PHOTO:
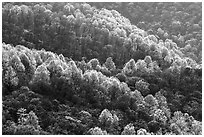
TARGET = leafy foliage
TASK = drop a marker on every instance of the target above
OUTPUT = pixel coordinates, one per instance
(70, 68)
(128, 130)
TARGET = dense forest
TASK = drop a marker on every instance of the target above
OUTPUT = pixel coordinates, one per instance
(118, 68)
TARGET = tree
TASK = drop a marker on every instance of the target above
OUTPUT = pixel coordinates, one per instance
(17, 64)
(128, 130)
(41, 80)
(143, 87)
(182, 124)
(148, 59)
(130, 67)
(142, 131)
(93, 63)
(151, 103)
(106, 118)
(109, 64)
(97, 131)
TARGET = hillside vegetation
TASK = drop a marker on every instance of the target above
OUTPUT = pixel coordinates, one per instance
(94, 68)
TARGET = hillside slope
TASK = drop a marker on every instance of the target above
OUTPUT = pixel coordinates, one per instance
(69, 68)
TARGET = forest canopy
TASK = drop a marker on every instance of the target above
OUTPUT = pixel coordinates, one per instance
(102, 68)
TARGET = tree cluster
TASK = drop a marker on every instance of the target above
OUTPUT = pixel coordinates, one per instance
(70, 68)
(179, 21)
